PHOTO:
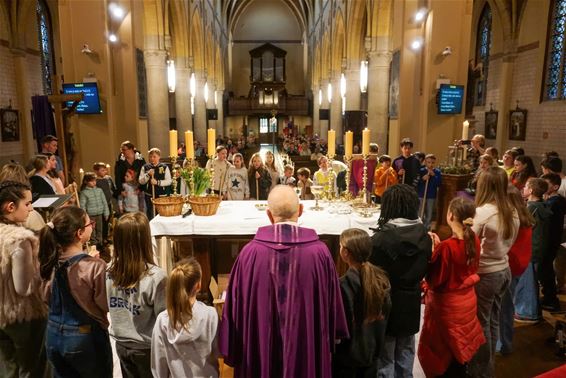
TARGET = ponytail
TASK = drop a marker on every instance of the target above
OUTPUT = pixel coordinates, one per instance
(57, 234)
(464, 211)
(181, 286)
(375, 287)
(469, 241)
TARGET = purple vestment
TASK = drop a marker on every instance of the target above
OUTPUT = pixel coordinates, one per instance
(283, 309)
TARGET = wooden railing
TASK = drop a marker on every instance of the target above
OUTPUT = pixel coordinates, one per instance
(291, 105)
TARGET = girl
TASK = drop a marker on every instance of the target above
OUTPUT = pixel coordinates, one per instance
(365, 294)
(22, 312)
(41, 184)
(524, 170)
(184, 338)
(131, 198)
(94, 202)
(136, 294)
(272, 168)
(77, 337)
(496, 223)
(402, 247)
(52, 173)
(259, 179)
(238, 184)
(451, 332)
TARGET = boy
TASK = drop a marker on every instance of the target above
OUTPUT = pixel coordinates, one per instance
(158, 178)
(305, 183)
(406, 165)
(288, 178)
(554, 165)
(526, 292)
(384, 177)
(324, 177)
(429, 182)
(105, 182)
(557, 204)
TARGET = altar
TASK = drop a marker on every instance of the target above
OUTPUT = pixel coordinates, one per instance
(216, 240)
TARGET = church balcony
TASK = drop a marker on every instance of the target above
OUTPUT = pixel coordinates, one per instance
(290, 105)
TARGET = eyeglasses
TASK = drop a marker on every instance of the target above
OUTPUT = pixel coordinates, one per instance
(91, 223)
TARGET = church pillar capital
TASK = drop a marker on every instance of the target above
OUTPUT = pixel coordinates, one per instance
(155, 58)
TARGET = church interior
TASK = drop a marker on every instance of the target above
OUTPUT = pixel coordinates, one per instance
(263, 74)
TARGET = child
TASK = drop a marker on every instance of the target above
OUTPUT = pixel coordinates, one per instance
(23, 315)
(238, 184)
(553, 164)
(271, 167)
(401, 247)
(305, 183)
(407, 165)
(220, 166)
(131, 199)
(547, 275)
(158, 179)
(451, 332)
(429, 182)
(135, 287)
(94, 203)
(365, 294)
(77, 332)
(288, 178)
(259, 179)
(384, 177)
(184, 340)
(324, 177)
(104, 182)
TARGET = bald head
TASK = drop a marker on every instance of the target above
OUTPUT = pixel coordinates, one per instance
(283, 204)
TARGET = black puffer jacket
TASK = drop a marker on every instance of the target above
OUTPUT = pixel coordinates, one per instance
(403, 249)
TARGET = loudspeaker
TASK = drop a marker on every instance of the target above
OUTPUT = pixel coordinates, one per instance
(212, 114)
(323, 114)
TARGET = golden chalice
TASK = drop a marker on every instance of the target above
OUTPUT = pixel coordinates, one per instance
(317, 190)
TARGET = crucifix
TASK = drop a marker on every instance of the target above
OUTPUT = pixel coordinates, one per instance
(56, 100)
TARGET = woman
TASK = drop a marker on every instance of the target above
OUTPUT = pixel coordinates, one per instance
(52, 173)
(524, 170)
(496, 224)
(129, 159)
(41, 183)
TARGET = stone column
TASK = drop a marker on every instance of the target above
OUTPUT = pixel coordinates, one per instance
(213, 124)
(24, 102)
(505, 83)
(336, 109)
(157, 98)
(200, 109)
(378, 96)
(353, 93)
(315, 111)
(183, 97)
(324, 125)
(220, 126)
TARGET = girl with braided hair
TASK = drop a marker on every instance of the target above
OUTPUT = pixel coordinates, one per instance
(401, 247)
(23, 315)
(184, 342)
(77, 331)
(452, 333)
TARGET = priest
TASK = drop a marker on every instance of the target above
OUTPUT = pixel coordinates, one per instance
(283, 311)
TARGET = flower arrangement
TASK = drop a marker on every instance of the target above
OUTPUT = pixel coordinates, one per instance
(197, 180)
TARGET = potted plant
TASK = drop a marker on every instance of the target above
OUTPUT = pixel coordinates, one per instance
(198, 181)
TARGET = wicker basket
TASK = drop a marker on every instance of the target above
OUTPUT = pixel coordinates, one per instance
(169, 206)
(205, 206)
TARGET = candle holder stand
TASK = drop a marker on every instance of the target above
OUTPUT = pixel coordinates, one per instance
(330, 192)
(347, 195)
(365, 194)
(211, 170)
(174, 173)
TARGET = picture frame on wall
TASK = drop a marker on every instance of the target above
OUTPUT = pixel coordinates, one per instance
(9, 125)
(491, 118)
(518, 124)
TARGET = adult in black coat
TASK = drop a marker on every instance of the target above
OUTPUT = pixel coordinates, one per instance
(129, 158)
(403, 248)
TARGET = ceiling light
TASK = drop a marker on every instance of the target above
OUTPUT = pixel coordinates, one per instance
(171, 77)
(113, 38)
(116, 11)
(420, 15)
(417, 44)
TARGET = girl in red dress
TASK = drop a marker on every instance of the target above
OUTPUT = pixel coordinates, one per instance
(451, 332)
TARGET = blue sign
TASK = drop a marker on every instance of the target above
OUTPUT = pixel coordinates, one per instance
(90, 103)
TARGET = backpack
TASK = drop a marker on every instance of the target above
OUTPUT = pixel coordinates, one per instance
(521, 251)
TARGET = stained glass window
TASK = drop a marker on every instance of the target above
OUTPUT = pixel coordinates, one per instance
(483, 47)
(555, 75)
(45, 45)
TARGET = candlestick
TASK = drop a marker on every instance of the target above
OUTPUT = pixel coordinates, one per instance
(173, 143)
(174, 170)
(465, 130)
(189, 145)
(211, 142)
(347, 194)
(331, 143)
(348, 144)
(366, 135)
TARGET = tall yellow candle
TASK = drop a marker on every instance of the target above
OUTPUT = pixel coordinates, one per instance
(348, 144)
(366, 134)
(211, 142)
(331, 143)
(465, 130)
(189, 145)
(172, 142)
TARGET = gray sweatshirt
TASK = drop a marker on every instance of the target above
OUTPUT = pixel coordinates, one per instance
(133, 311)
(192, 353)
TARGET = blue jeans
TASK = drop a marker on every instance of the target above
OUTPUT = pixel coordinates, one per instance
(526, 295)
(506, 317)
(397, 357)
(490, 291)
(428, 210)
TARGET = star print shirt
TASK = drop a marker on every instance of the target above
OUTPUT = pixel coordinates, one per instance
(238, 187)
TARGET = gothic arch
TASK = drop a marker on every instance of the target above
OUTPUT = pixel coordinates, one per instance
(339, 43)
